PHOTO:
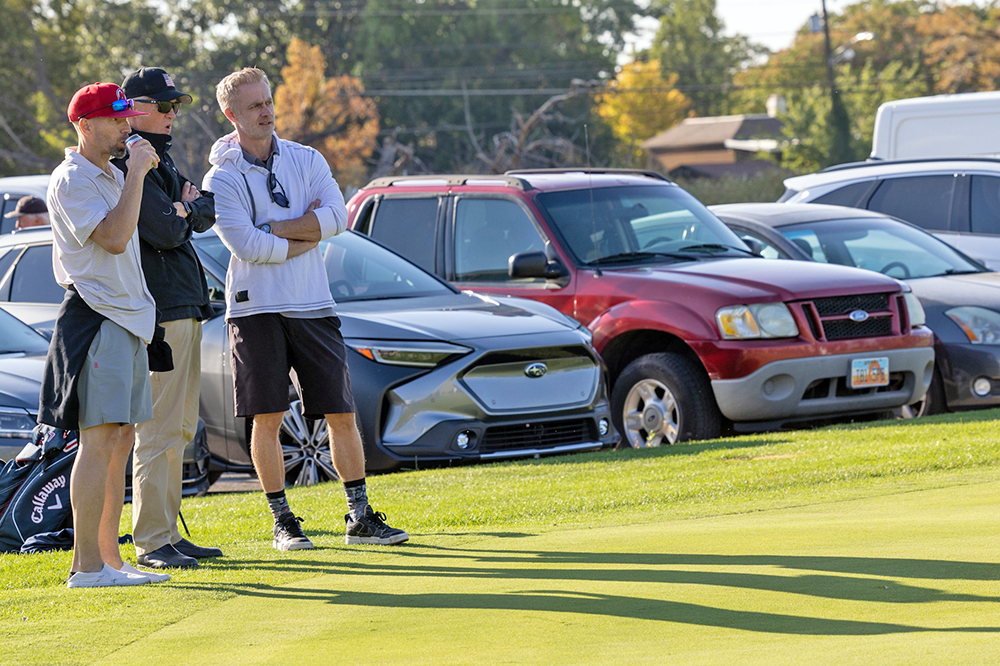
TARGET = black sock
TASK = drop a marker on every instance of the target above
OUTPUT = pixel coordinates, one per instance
(357, 497)
(278, 503)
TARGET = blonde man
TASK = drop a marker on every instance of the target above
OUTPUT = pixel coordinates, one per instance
(274, 201)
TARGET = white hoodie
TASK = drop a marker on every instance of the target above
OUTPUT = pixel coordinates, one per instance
(258, 270)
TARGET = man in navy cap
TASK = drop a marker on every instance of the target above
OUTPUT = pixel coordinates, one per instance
(172, 209)
(30, 212)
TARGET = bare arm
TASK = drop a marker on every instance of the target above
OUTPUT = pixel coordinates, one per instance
(304, 228)
(116, 229)
(297, 247)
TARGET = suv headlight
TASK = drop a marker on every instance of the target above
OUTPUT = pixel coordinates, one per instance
(980, 325)
(916, 310)
(412, 354)
(15, 423)
(763, 320)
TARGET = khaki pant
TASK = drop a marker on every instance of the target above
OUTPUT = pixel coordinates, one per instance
(158, 458)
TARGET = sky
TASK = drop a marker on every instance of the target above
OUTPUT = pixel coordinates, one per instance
(772, 23)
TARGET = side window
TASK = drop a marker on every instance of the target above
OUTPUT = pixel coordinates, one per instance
(407, 226)
(849, 195)
(767, 250)
(809, 243)
(985, 206)
(5, 262)
(33, 281)
(487, 233)
(922, 200)
(7, 205)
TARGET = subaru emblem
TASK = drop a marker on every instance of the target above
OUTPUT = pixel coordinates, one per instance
(858, 316)
(536, 370)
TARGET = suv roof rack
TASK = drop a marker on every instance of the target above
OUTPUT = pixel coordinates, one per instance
(911, 160)
(452, 179)
(593, 170)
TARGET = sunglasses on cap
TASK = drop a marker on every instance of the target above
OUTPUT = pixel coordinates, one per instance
(117, 105)
(162, 107)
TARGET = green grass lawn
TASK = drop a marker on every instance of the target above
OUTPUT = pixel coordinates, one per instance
(851, 545)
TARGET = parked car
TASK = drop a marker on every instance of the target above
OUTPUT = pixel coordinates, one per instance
(22, 361)
(695, 329)
(960, 297)
(957, 199)
(13, 188)
(439, 376)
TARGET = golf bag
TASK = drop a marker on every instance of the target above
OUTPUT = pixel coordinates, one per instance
(34, 487)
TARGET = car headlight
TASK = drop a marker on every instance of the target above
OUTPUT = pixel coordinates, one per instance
(412, 354)
(15, 423)
(916, 310)
(980, 325)
(763, 320)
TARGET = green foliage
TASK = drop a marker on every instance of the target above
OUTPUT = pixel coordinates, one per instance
(766, 186)
(690, 42)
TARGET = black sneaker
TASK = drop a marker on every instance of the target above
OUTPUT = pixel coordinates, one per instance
(288, 535)
(371, 528)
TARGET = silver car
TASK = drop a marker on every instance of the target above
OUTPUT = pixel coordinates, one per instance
(439, 376)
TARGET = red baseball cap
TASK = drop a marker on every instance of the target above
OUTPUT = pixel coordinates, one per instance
(101, 100)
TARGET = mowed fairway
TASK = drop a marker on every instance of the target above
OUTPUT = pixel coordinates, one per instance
(859, 545)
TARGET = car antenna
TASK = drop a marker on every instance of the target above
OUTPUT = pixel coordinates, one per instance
(593, 218)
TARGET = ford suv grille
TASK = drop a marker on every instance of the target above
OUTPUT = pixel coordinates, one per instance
(830, 318)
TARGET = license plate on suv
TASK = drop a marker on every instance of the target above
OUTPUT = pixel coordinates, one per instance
(869, 372)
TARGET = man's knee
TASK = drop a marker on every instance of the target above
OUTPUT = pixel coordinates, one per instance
(267, 424)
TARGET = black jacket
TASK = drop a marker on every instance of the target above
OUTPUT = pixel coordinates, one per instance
(173, 273)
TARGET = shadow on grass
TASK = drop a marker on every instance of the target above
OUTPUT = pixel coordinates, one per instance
(843, 578)
(563, 601)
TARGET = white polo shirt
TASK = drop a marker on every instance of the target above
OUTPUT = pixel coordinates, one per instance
(80, 196)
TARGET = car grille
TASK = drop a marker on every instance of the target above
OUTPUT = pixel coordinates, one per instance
(538, 435)
(829, 318)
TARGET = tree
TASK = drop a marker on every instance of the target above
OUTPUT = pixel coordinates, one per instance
(331, 115)
(639, 103)
(690, 42)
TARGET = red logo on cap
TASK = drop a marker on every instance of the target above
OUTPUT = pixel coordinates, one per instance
(169, 81)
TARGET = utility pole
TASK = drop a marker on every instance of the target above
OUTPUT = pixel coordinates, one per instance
(840, 123)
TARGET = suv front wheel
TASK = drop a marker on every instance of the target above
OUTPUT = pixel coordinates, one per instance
(664, 398)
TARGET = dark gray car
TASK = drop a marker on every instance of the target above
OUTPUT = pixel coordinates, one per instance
(439, 376)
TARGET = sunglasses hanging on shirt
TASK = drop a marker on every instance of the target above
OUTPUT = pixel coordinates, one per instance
(279, 198)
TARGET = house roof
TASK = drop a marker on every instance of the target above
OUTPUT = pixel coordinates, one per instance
(713, 132)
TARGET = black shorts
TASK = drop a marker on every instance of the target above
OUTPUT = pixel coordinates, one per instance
(268, 348)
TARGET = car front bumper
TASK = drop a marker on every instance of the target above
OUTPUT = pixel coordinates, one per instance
(960, 365)
(818, 386)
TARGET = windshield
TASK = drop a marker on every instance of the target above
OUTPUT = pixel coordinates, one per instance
(16, 336)
(882, 245)
(357, 268)
(649, 222)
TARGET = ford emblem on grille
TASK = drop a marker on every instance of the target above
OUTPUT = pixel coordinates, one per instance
(536, 370)
(858, 316)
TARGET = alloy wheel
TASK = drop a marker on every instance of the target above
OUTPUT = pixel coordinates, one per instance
(305, 447)
(650, 415)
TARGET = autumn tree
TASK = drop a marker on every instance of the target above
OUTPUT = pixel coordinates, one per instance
(639, 103)
(329, 114)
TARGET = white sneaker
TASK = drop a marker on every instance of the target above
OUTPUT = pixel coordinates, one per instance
(153, 577)
(106, 577)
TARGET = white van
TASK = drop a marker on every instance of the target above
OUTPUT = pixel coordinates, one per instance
(963, 125)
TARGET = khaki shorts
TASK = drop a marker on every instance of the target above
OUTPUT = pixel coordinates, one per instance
(114, 382)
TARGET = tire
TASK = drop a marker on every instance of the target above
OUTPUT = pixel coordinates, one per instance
(932, 403)
(664, 398)
(305, 448)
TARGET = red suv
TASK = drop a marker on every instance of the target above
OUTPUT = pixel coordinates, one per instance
(697, 331)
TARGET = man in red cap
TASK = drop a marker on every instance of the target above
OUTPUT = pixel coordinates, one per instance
(97, 373)
(30, 212)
